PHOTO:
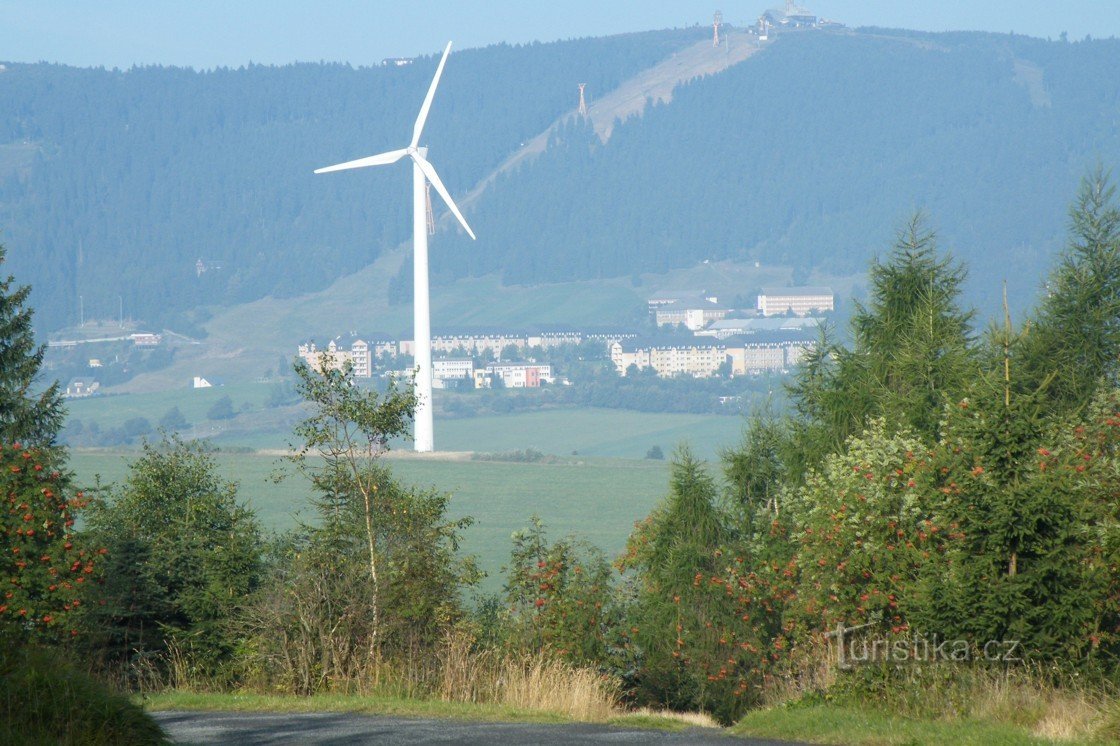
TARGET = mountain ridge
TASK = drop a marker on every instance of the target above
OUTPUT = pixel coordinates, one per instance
(113, 184)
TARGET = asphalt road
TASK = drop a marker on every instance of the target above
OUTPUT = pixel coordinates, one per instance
(337, 729)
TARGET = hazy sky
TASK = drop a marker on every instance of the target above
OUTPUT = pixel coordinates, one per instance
(210, 33)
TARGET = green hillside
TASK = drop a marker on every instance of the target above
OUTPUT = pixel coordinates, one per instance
(114, 183)
(811, 153)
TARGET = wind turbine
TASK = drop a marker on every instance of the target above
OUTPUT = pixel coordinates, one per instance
(422, 172)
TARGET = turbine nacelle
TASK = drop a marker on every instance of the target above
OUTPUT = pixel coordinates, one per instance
(413, 151)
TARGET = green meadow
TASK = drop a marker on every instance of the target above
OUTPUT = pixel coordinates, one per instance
(597, 486)
(598, 499)
(607, 433)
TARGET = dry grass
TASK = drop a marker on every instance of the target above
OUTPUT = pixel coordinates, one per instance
(1069, 713)
(1035, 701)
(531, 682)
(692, 719)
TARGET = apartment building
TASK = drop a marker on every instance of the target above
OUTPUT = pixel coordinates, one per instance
(801, 301)
(341, 350)
(698, 359)
(445, 370)
(517, 375)
(693, 313)
(757, 353)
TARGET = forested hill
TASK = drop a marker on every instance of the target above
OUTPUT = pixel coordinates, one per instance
(813, 152)
(114, 183)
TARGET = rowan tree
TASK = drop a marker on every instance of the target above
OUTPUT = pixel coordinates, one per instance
(45, 567)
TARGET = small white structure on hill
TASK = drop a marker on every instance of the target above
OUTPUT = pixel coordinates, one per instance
(81, 387)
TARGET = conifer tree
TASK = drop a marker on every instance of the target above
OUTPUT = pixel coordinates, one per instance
(1074, 341)
(184, 554)
(756, 470)
(26, 416)
(911, 347)
(1021, 486)
(675, 625)
(913, 335)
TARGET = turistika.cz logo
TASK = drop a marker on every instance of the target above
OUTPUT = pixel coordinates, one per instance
(853, 649)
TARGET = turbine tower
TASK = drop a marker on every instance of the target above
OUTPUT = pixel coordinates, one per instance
(422, 174)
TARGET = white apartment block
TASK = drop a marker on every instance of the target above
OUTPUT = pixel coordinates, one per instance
(748, 355)
(698, 359)
(452, 369)
(801, 301)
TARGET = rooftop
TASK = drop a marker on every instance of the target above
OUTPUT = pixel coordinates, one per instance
(766, 324)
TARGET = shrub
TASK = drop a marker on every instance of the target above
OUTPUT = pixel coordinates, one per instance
(183, 556)
(559, 597)
(45, 700)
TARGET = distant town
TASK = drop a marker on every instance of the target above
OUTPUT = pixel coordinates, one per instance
(696, 337)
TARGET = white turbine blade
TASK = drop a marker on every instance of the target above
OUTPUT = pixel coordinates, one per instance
(423, 117)
(433, 177)
(374, 160)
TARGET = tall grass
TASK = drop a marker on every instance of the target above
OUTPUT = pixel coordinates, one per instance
(1050, 704)
(455, 671)
(45, 700)
(525, 681)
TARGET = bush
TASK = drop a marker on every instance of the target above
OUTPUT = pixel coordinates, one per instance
(560, 598)
(221, 409)
(183, 555)
(44, 700)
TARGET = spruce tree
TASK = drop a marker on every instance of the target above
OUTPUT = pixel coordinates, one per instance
(675, 624)
(911, 348)
(1073, 343)
(1023, 489)
(756, 470)
(26, 416)
(913, 336)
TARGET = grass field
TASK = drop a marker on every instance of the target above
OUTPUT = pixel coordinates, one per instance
(597, 499)
(597, 488)
(609, 433)
(112, 411)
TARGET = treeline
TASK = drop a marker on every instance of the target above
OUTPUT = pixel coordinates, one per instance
(113, 183)
(604, 388)
(933, 483)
